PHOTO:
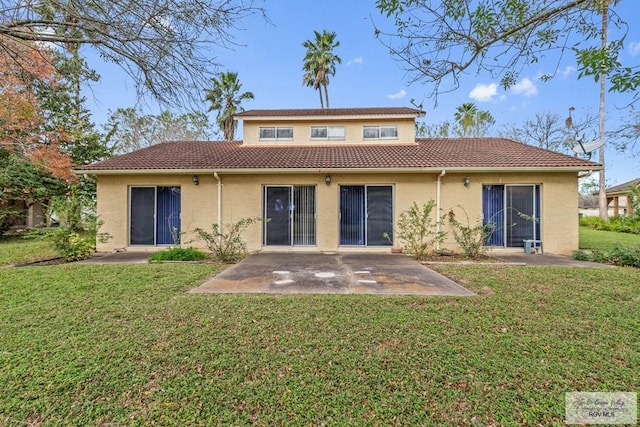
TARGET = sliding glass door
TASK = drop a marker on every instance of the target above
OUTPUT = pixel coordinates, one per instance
(366, 215)
(512, 213)
(154, 216)
(289, 215)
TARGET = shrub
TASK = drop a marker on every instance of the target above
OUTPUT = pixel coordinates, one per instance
(625, 256)
(178, 254)
(620, 224)
(418, 231)
(581, 255)
(469, 237)
(619, 255)
(70, 245)
(9, 215)
(226, 244)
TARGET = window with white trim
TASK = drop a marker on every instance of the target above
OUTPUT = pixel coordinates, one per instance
(276, 133)
(380, 132)
(334, 133)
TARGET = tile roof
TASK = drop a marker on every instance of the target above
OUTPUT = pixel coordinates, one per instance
(433, 153)
(333, 112)
(623, 188)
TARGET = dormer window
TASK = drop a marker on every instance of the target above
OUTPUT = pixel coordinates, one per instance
(380, 132)
(276, 133)
(333, 133)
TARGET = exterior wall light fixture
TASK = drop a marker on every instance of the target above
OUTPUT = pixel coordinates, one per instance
(467, 181)
(195, 180)
(327, 179)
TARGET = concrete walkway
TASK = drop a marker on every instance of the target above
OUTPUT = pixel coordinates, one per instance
(295, 273)
(355, 273)
(540, 260)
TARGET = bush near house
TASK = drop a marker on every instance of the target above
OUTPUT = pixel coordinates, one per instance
(619, 255)
(226, 243)
(608, 247)
(469, 236)
(418, 231)
(178, 254)
(619, 224)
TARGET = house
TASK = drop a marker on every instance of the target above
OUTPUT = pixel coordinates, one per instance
(335, 180)
(614, 194)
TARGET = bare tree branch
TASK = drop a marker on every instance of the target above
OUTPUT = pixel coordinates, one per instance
(437, 41)
(167, 46)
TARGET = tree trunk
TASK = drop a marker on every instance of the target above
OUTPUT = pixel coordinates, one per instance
(326, 93)
(602, 194)
(320, 93)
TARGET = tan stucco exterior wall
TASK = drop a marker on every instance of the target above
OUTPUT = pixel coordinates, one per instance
(353, 131)
(198, 205)
(559, 203)
(242, 198)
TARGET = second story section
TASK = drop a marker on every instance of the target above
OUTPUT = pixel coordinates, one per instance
(329, 126)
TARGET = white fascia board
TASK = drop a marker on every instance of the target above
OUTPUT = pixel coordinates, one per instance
(248, 171)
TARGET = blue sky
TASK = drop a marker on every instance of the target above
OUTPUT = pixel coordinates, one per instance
(268, 59)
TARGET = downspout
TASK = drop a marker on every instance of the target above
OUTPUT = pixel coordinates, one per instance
(438, 197)
(219, 204)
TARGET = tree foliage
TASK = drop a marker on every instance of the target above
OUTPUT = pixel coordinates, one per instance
(626, 137)
(440, 40)
(131, 129)
(225, 98)
(23, 183)
(166, 46)
(26, 85)
(320, 63)
(467, 122)
(471, 121)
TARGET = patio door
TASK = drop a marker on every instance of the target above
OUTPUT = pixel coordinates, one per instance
(512, 212)
(366, 214)
(289, 215)
(154, 215)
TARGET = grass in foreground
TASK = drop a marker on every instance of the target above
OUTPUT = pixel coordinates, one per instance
(97, 345)
(16, 250)
(606, 240)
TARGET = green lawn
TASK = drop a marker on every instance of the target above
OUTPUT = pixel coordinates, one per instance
(114, 345)
(15, 250)
(606, 240)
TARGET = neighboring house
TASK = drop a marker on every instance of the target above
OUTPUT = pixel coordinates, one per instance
(622, 191)
(336, 180)
(32, 216)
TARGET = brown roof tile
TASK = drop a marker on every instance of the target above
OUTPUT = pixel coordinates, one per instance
(436, 153)
(332, 112)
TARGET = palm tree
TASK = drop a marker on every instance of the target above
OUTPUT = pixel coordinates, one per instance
(320, 63)
(471, 121)
(225, 97)
(466, 116)
(602, 192)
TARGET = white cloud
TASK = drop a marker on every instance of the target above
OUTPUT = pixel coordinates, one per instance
(525, 87)
(634, 48)
(358, 60)
(484, 93)
(397, 95)
(568, 70)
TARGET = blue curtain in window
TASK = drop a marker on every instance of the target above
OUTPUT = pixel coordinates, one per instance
(168, 224)
(493, 213)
